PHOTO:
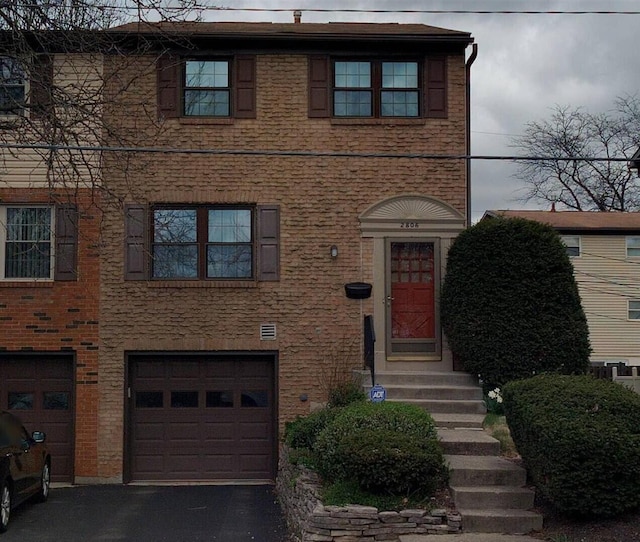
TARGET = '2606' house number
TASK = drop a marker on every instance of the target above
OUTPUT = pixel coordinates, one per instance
(409, 225)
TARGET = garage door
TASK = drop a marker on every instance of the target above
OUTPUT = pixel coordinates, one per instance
(39, 390)
(204, 418)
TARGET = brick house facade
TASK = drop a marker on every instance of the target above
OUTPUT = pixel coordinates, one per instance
(294, 171)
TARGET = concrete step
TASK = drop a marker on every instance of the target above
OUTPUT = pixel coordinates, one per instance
(470, 470)
(458, 421)
(467, 537)
(468, 442)
(421, 378)
(497, 520)
(450, 393)
(448, 407)
(492, 497)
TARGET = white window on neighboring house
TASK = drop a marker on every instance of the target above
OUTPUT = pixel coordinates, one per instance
(26, 250)
(572, 242)
(634, 309)
(633, 246)
(13, 86)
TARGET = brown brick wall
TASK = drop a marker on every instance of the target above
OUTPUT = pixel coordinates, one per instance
(320, 199)
(48, 316)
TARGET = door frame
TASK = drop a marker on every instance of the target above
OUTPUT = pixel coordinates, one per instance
(415, 355)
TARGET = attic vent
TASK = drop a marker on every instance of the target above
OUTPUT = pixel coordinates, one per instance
(267, 332)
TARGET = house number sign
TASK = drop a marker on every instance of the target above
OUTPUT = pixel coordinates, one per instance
(409, 225)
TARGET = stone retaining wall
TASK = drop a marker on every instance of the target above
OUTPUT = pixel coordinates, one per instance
(310, 521)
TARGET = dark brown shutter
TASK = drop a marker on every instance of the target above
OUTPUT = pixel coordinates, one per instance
(436, 87)
(169, 72)
(245, 87)
(136, 250)
(319, 86)
(41, 86)
(268, 242)
(66, 238)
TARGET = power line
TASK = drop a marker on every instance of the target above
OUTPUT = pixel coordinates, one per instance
(203, 7)
(311, 154)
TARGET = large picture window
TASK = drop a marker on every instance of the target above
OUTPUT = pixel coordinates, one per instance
(26, 242)
(203, 242)
(376, 89)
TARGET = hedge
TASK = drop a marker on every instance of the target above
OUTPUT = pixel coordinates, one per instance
(580, 440)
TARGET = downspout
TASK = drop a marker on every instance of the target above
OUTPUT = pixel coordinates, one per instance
(470, 61)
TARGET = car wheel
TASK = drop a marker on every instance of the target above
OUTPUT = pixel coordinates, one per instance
(45, 484)
(5, 506)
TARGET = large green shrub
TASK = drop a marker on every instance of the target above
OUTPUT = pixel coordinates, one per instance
(580, 440)
(510, 305)
(390, 461)
(303, 431)
(352, 422)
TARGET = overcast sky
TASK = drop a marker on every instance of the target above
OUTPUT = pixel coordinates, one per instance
(526, 65)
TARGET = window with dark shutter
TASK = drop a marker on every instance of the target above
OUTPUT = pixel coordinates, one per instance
(136, 251)
(66, 235)
(269, 242)
(436, 87)
(245, 83)
(41, 86)
(168, 86)
(319, 86)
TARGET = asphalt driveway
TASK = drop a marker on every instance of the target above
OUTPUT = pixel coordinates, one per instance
(151, 514)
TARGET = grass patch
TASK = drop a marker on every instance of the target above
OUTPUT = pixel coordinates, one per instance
(497, 427)
(343, 493)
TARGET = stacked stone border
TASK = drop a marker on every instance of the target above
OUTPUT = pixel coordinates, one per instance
(309, 520)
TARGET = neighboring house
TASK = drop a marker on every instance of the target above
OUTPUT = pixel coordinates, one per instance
(49, 269)
(222, 305)
(604, 248)
(634, 163)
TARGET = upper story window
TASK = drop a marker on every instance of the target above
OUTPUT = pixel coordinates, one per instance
(207, 90)
(376, 89)
(209, 87)
(633, 312)
(372, 88)
(13, 86)
(26, 242)
(633, 246)
(212, 243)
(572, 242)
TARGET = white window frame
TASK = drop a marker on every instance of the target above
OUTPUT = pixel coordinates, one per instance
(26, 84)
(3, 242)
(633, 309)
(636, 248)
(565, 238)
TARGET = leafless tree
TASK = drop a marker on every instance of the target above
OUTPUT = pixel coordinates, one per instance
(584, 185)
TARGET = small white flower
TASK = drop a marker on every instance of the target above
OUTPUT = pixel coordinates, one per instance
(499, 399)
(492, 394)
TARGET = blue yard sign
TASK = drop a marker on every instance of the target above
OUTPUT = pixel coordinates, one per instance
(377, 394)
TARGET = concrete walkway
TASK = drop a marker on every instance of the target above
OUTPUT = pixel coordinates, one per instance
(466, 537)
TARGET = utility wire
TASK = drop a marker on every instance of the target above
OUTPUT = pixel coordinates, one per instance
(312, 154)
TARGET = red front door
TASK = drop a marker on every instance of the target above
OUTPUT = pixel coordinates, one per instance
(412, 296)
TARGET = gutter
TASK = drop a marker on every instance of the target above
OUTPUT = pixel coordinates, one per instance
(470, 61)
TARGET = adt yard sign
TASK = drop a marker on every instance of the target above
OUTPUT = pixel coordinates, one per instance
(377, 394)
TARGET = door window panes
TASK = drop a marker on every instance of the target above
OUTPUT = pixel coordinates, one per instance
(184, 399)
(219, 399)
(259, 398)
(55, 400)
(149, 399)
(20, 400)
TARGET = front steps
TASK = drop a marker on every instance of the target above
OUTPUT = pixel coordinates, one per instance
(488, 491)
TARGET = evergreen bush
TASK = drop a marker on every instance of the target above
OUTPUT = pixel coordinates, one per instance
(580, 440)
(510, 305)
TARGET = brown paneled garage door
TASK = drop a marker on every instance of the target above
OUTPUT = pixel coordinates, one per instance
(202, 418)
(39, 390)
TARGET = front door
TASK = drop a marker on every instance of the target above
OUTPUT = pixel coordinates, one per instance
(411, 312)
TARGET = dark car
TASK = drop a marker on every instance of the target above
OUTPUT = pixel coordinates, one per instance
(25, 466)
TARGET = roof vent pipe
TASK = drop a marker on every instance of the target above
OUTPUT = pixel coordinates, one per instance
(297, 16)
